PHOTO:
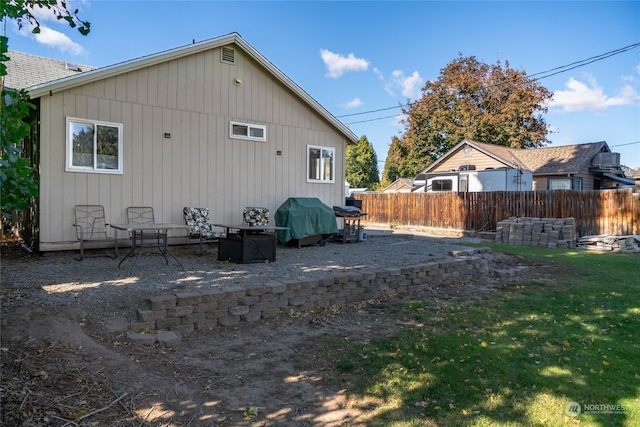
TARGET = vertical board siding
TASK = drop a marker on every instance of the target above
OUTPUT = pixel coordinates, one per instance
(193, 99)
(611, 212)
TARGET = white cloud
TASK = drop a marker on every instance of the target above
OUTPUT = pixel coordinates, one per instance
(588, 95)
(337, 64)
(56, 39)
(356, 102)
(48, 36)
(409, 85)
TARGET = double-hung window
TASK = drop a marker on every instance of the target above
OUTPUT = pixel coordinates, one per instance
(94, 146)
(321, 164)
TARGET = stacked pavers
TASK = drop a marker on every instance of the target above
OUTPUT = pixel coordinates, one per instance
(184, 313)
(546, 232)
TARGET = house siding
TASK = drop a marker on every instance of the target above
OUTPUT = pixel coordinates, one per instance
(541, 182)
(194, 99)
(480, 160)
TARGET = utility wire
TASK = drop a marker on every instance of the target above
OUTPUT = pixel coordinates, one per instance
(553, 71)
(628, 143)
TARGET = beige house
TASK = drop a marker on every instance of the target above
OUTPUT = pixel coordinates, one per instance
(400, 185)
(589, 166)
(212, 124)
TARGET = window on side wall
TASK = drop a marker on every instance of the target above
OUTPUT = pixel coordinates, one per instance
(565, 184)
(93, 146)
(320, 164)
(249, 131)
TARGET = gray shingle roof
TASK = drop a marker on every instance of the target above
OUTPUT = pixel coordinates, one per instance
(25, 70)
(548, 160)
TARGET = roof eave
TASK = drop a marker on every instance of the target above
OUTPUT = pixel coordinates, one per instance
(150, 60)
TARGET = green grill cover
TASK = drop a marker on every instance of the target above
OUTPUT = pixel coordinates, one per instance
(305, 216)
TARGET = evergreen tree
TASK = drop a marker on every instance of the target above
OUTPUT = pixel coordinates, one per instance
(362, 165)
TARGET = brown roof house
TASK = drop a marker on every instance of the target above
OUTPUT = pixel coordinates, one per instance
(590, 166)
(211, 124)
(400, 185)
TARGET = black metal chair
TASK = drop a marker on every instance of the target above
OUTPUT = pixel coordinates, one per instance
(144, 215)
(91, 227)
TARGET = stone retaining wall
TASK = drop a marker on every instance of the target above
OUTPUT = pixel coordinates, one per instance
(546, 232)
(187, 312)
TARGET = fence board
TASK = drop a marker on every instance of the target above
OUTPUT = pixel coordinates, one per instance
(612, 212)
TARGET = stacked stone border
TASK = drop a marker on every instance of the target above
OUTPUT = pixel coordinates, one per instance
(545, 232)
(181, 314)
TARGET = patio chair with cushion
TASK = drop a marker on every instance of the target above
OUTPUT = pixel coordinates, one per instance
(91, 227)
(200, 227)
(255, 216)
(144, 215)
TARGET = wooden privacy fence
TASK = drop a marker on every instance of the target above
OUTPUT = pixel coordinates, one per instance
(611, 212)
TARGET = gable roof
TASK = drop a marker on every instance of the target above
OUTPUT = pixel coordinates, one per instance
(563, 159)
(43, 88)
(399, 183)
(566, 159)
(25, 70)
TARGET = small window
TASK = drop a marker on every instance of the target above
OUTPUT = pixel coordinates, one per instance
(565, 184)
(576, 184)
(560, 184)
(94, 146)
(320, 164)
(247, 131)
(442, 185)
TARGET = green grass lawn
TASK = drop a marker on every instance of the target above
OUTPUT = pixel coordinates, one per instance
(518, 358)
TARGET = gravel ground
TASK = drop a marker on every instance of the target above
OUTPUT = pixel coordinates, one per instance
(58, 279)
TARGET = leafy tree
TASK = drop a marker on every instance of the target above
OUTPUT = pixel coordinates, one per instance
(402, 161)
(472, 100)
(17, 181)
(362, 164)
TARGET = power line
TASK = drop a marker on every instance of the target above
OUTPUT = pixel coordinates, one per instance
(553, 71)
(584, 62)
(372, 120)
(628, 143)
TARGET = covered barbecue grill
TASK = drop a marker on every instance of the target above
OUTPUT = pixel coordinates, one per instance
(309, 221)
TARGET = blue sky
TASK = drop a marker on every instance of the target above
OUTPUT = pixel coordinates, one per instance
(361, 59)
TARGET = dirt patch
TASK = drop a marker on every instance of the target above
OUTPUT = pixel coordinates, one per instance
(63, 367)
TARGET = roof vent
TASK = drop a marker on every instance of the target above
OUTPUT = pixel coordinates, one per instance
(72, 67)
(228, 55)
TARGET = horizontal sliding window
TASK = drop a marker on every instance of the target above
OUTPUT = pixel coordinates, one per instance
(94, 146)
(239, 130)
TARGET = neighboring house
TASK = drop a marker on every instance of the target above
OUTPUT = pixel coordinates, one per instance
(212, 124)
(636, 177)
(400, 185)
(589, 166)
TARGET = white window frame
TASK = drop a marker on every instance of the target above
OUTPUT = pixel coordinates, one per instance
(250, 129)
(571, 183)
(321, 165)
(74, 123)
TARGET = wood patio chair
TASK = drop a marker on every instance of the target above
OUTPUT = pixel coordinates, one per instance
(91, 227)
(200, 226)
(145, 215)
